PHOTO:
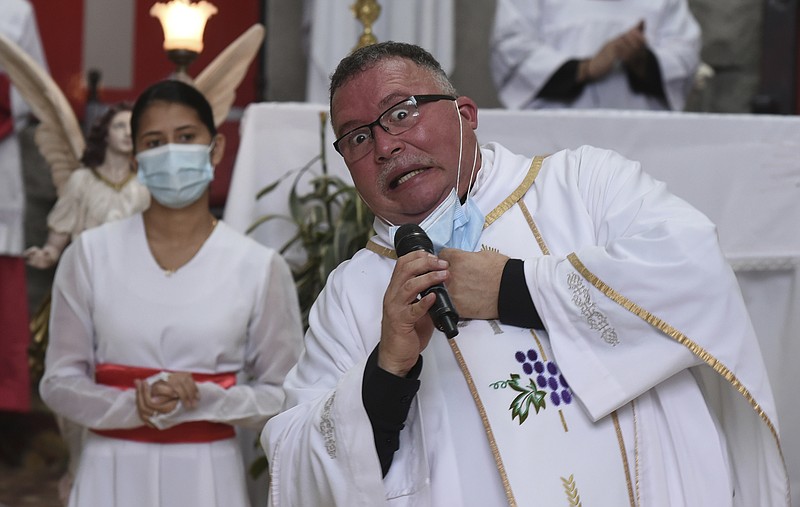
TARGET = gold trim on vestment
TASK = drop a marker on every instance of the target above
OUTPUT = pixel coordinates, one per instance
(539, 344)
(681, 338)
(485, 420)
(534, 228)
(516, 195)
(624, 453)
(381, 250)
(636, 451)
(563, 420)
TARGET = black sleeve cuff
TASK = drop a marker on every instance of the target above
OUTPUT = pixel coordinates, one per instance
(514, 303)
(387, 399)
(651, 84)
(563, 85)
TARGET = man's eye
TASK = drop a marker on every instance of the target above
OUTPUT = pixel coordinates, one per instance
(399, 115)
(358, 138)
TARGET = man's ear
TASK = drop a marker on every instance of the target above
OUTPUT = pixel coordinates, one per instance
(468, 110)
(219, 149)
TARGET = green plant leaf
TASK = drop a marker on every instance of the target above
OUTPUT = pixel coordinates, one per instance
(269, 188)
(258, 466)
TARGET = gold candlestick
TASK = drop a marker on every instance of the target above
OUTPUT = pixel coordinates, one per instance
(366, 11)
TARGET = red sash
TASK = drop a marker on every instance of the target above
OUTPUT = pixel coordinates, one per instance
(122, 377)
(6, 117)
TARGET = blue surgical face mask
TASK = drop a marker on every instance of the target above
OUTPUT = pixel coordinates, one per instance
(454, 225)
(176, 174)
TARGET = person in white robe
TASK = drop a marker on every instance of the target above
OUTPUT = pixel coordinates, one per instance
(168, 328)
(587, 54)
(18, 24)
(604, 354)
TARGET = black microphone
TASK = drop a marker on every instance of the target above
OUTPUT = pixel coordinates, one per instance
(411, 237)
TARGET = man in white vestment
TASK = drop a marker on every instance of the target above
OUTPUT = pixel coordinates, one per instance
(603, 355)
(587, 54)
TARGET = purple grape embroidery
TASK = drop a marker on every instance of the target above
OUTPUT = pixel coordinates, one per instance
(544, 381)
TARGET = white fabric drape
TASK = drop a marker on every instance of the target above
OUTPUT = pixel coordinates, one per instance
(333, 32)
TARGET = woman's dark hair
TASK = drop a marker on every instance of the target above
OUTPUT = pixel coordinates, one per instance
(175, 92)
(97, 140)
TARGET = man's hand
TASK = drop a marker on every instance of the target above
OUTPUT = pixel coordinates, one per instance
(474, 281)
(406, 327)
(630, 49)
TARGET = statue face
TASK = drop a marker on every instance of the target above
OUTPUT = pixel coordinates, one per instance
(119, 133)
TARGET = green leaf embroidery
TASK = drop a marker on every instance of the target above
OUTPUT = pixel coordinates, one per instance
(529, 395)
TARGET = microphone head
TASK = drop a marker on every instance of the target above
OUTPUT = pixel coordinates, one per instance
(411, 237)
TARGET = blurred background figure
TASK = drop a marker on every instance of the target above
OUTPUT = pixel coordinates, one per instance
(588, 54)
(18, 23)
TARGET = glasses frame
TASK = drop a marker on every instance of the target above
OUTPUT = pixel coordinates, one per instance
(417, 100)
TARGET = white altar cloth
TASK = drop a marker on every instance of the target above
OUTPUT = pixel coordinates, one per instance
(742, 171)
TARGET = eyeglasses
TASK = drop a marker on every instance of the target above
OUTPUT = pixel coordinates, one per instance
(356, 143)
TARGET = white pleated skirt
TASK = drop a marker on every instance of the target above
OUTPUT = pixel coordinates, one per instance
(123, 473)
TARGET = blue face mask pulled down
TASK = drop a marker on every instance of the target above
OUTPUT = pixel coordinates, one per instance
(452, 225)
(176, 174)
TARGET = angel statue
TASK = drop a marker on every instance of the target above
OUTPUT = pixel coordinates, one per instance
(99, 189)
(93, 176)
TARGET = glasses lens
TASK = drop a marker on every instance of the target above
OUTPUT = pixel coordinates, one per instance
(395, 120)
(357, 143)
(401, 117)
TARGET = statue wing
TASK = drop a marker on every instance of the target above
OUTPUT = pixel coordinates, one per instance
(58, 135)
(218, 81)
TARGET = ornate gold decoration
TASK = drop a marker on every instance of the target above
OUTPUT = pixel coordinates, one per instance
(571, 490)
(367, 12)
(705, 356)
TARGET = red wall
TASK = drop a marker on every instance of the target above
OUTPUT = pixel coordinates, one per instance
(61, 29)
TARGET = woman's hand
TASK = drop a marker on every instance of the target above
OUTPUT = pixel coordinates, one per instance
(162, 397)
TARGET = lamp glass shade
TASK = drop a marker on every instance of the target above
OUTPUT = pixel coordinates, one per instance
(183, 23)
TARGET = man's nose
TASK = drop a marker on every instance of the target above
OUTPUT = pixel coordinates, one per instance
(386, 144)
